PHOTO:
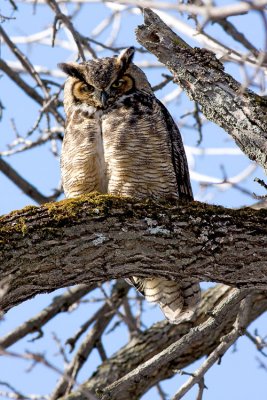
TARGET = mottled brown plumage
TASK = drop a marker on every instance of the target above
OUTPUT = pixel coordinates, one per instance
(120, 139)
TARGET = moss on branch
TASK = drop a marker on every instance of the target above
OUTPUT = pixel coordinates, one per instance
(97, 237)
(69, 212)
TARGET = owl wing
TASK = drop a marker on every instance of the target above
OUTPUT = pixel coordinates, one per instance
(177, 152)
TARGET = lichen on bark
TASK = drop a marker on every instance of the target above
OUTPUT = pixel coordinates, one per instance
(95, 238)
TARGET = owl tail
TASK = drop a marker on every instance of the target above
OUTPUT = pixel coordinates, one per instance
(177, 300)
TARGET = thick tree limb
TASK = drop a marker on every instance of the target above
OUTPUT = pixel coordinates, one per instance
(226, 342)
(96, 238)
(151, 342)
(242, 113)
(125, 386)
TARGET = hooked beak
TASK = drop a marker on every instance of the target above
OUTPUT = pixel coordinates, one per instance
(104, 98)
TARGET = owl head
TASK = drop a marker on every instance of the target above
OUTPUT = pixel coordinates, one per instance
(100, 83)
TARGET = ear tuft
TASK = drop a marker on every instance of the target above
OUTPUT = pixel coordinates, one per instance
(70, 69)
(125, 57)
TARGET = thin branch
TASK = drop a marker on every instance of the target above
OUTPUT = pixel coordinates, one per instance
(24, 61)
(162, 394)
(258, 341)
(60, 347)
(13, 4)
(79, 40)
(29, 90)
(208, 11)
(26, 144)
(130, 380)
(23, 184)
(261, 182)
(168, 78)
(59, 304)
(261, 364)
(65, 384)
(15, 393)
(99, 346)
(130, 319)
(38, 358)
(73, 340)
(216, 355)
(231, 30)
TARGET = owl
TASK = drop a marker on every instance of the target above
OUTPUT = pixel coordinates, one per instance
(120, 139)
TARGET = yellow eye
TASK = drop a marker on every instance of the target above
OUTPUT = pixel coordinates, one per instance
(84, 88)
(118, 84)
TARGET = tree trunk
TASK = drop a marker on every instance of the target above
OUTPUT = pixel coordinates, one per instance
(223, 100)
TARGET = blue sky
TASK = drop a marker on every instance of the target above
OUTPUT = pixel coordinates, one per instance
(239, 375)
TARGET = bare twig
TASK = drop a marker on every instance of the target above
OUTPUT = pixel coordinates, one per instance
(208, 11)
(24, 61)
(162, 394)
(168, 78)
(79, 40)
(38, 358)
(29, 90)
(16, 394)
(59, 304)
(23, 184)
(22, 144)
(65, 384)
(130, 318)
(264, 185)
(259, 342)
(231, 30)
(99, 346)
(72, 341)
(262, 365)
(61, 349)
(174, 350)
(215, 356)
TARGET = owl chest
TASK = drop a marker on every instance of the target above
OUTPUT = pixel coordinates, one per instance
(121, 151)
(83, 166)
(136, 154)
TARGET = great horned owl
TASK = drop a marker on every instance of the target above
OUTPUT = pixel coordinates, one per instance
(120, 139)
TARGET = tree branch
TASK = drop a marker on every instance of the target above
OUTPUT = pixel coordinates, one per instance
(120, 388)
(226, 342)
(239, 112)
(106, 314)
(14, 76)
(23, 184)
(95, 238)
(59, 304)
(147, 344)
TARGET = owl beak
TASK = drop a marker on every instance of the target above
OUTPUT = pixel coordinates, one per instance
(104, 98)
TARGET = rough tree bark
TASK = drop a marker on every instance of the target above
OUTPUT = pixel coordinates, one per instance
(223, 100)
(98, 238)
(151, 342)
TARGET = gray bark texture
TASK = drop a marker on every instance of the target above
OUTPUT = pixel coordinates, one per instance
(96, 238)
(160, 336)
(223, 100)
